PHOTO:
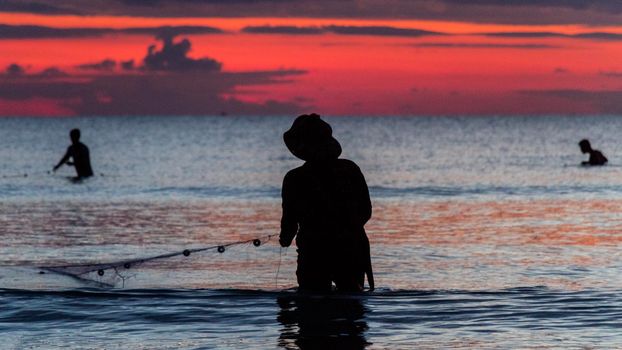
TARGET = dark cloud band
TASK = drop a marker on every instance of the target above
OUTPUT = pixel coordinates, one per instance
(343, 30)
(602, 12)
(41, 32)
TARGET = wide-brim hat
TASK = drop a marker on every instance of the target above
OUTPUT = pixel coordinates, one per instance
(310, 138)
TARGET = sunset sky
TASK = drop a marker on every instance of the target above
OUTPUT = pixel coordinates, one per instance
(346, 57)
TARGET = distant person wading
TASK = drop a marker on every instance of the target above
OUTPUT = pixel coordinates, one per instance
(325, 205)
(79, 154)
(596, 157)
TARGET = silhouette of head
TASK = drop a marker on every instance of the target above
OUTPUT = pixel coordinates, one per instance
(585, 146)
(75, 135)
(311, 139)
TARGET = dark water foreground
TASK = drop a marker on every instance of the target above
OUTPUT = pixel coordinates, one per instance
(236, 319)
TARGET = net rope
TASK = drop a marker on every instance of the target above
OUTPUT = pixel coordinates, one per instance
(111, 274)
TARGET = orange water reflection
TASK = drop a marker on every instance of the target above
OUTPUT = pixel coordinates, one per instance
(565, 243)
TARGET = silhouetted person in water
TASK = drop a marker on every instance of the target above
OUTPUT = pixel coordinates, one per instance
(79, 154)
(596, 157)
(325, 205)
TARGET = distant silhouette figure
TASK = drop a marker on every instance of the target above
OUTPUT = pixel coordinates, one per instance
(325, 205)
(79, 154)
(596, 157)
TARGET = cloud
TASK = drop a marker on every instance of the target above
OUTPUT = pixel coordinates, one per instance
(171, 31)
(343, 30)
(600, 35)
(597, 101)
(36, 32)
(105, 65)
(592, 35)
(127, 65)
(42, 32)
(484, 46)
(610, 74)
(53, 72)
(283, 30)
(379, 30)
(525, 34)
(35, 7)
(14, 69)
(203, 2)
(176, 93)
(167, 83)
(174, 57)
(611, 5)
(141, 2)
(589, 12)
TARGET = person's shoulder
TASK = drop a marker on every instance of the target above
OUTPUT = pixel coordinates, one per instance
(294, 173)
(347, 163)
(80, 147)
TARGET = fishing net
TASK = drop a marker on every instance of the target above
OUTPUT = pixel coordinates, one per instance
(253, 264)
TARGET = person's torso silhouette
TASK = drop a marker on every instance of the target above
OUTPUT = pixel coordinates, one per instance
(597, 158)
(79, 154)
(81, 159)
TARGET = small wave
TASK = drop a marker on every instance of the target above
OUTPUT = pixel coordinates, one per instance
(505, 318)
(540, 291)
(216, 192)
(458, 191)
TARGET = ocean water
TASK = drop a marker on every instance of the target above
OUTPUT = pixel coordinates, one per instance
(486, 233)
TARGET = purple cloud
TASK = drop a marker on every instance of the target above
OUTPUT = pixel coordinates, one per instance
(601, 12)
(343, 30)
(35, 7)
(611, 74)
(591, 35)
(53, 72)
(105, 65)
(14, 69)
(167, 83)
(484, 46)
(42, 32)
(599, 101)
(290, 30)
(174, 57)
(127, 65)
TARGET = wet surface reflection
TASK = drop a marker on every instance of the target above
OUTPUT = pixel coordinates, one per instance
(322, 322)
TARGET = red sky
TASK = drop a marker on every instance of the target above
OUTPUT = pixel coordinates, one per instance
(344, 66)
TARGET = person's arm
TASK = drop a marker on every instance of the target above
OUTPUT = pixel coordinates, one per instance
(370, 276)
(64, 159)
(364, 201)
(289, 221)
(364, 214)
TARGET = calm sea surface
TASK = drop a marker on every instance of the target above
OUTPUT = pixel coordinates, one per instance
(486, 233)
